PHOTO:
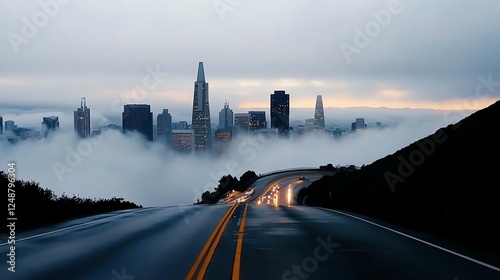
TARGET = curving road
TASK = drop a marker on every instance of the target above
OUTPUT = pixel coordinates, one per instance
(264, 236)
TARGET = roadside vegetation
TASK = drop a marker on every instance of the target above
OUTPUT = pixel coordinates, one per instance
(36, 206)
(226, 185)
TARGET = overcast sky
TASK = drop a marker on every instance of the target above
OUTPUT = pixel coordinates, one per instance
(396, 54)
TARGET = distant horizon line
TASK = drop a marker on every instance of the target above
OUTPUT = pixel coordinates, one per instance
(380, 107)
(266, 108)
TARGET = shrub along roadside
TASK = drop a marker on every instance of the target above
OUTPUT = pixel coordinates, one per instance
(35, 206)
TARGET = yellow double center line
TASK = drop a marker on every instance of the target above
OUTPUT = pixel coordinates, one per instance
(239, 243)
(208, 250)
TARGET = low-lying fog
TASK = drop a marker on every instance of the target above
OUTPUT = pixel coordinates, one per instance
(114, 164)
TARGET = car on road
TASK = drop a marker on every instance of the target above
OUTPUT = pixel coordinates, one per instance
(302, 178)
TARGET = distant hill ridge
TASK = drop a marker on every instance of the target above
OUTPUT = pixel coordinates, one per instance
(446, 184)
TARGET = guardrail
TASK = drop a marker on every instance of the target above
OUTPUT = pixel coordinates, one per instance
(287, 170)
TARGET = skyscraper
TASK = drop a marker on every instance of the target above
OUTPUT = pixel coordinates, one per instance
(82, 119)
(222, 139)
(257, 120)
(183, 140)
(225, 117)
(180, 125)
(49, 124)
(201, 113)
(224, 133)
(309, 125)
(280, 112)
(301, 129)
(9, 125)
(359, 124)
(242, 121)
(164, 127)
(337, 133)
(138, 117)
(1, 125)
(319, 114)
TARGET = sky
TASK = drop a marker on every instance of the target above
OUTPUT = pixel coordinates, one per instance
(393, 54)
(415, 65)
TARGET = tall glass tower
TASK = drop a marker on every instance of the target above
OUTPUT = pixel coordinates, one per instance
(226, 117)
(280, 112)
(138, 117)
(82, 119)
(201, 113)
(49, 124)
(319, 114)
(164, 127)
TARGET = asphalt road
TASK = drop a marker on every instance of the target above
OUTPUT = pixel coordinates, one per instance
(245, 240)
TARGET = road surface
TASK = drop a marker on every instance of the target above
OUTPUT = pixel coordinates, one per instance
(263, 236)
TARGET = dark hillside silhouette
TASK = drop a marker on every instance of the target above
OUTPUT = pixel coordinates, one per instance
(35, 206)
(446, 184)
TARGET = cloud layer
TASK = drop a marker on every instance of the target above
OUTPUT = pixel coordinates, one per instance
(114, 164)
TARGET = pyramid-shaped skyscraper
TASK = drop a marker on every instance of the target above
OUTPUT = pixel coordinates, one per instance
(201, 113)
(319, 114)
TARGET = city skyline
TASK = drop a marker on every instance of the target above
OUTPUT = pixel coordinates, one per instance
(256, 119)
(341, 116)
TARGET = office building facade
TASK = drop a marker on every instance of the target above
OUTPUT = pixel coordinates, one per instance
(226, 117)
(223, 139)
(81, 119)
(359, 124)
(9, 125)
(280, 112)
(138, 117)
(242, 122)
(164, 127)
(49, 124)
(183, 141)
(257, 120)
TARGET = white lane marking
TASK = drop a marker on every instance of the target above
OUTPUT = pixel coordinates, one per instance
(75, 226)
(420, 240)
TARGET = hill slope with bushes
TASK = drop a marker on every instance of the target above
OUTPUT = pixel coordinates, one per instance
(446, 184)
(35, 206)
